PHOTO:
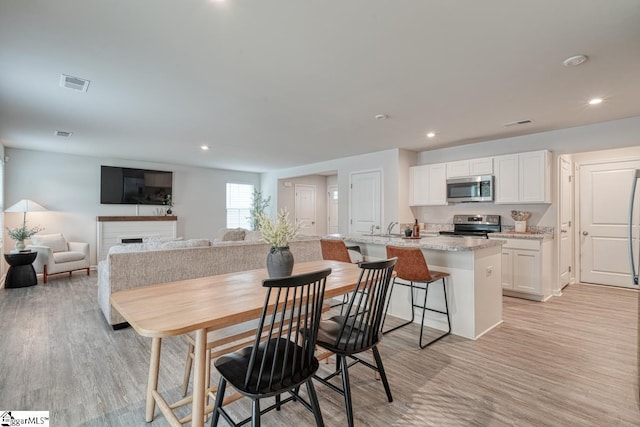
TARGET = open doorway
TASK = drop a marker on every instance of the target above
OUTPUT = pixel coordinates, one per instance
(304, 197)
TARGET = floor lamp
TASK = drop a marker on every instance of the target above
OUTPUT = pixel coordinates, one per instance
(25, 206)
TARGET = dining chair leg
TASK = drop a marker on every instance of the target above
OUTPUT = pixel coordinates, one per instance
(346, 386)
(315, 405)
(187, 370)
(255, 415)
(222, 385)
(278, 402)
(383, 375)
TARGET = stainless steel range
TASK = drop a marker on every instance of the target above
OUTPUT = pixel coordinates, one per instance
(474, 225)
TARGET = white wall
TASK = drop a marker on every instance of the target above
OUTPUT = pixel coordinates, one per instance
(601, 136)
(287, 198)
(69, 186)
(387, 161)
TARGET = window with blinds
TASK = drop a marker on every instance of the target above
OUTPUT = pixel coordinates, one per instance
(239, 199)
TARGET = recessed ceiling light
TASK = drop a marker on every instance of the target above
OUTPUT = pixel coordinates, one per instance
(204, 147)
(431, 135)
(595, 101)
(381, 116)
(576, 60)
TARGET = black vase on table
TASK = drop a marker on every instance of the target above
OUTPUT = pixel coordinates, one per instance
(280, 262)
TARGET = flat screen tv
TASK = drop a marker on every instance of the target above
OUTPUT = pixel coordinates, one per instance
(127, 186)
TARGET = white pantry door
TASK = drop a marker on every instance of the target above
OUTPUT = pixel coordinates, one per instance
(365, 201)
(566, 229)
(605, 191)
(306, 209)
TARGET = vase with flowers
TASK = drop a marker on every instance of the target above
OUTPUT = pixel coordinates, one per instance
(278, 234)
(168, 201)
(22, 233)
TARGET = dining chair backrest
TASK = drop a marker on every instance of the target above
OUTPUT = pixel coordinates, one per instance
(361, 326)
(334, 250)
(411, 265)
(287, 331)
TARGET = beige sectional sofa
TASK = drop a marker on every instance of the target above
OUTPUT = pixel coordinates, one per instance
(142, 264)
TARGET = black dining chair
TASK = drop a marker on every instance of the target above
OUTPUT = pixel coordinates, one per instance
(359, 329)
(281, 358)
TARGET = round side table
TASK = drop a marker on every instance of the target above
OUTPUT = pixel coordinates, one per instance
(21, 272)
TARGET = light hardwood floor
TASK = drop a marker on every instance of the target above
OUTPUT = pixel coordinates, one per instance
(572, 361)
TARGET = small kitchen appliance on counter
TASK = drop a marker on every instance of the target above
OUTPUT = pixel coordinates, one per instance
(474, 225)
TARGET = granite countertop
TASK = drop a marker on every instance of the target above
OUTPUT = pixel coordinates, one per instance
(433, 242)
(527, 236)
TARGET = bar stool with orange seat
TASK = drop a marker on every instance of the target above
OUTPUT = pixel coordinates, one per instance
(334, 250)
(412, 267)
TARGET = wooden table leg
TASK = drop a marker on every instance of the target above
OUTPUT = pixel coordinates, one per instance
(199, 383)
(152, 384)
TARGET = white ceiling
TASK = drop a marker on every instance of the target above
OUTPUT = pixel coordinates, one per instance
(278, 83)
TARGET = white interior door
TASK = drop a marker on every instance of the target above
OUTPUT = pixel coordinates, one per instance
(365, 201)
(305, 206)
(604, 206)
(566, 229)
(332, 209)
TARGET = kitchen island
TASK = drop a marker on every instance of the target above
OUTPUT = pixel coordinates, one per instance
(474, 287)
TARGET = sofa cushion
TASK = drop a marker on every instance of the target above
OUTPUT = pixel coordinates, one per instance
(253, 236)
(62, 257)
(152, 239)
(191, 243)
(234, 235)
(56, 242)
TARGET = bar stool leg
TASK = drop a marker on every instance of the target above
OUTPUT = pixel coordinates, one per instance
(387, 309)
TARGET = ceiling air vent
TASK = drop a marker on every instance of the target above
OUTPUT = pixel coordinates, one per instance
(63, 133)
(518, 123)
(75, 83)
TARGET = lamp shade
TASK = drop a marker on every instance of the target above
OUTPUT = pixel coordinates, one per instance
(26, 205)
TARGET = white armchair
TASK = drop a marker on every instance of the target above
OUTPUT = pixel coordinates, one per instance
(56, 255)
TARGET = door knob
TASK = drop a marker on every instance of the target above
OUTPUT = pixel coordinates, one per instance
(585, 233)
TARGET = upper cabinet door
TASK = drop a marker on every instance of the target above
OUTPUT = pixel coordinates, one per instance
(482, 166)
(534, 182)
(506, 182)
(428, 185)
(523, 178)
(418, 185)
(458, 169)
(437, 184)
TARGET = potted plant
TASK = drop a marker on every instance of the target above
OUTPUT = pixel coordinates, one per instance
(278, 234)
(408, 230)
(258, 206)
(20, 234)
(168, 201)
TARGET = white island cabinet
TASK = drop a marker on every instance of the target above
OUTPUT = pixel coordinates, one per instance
(473, 289)
(526, 266)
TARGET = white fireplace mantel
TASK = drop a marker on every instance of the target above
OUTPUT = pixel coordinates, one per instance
(113, 229)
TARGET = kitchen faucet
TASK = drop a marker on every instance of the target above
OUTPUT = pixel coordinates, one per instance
(390, 226)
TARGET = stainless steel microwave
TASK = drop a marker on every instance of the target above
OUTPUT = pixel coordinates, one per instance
(470, 189)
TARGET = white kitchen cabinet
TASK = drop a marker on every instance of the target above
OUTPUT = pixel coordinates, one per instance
(428, 185)
(526, 268)
(523, 177)
(473, 167)
(482, 166)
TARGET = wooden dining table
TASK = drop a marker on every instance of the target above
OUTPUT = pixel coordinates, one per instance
(203, 305)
